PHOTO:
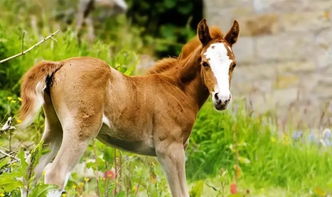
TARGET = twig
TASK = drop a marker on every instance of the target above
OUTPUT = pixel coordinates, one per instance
(8, 155)
(22, 45)
(29, 49)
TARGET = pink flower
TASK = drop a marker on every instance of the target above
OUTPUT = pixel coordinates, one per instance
(110, 174)
(233, 188)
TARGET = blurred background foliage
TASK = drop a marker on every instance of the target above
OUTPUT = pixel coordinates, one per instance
(168, 23)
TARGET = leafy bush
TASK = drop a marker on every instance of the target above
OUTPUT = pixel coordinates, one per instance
(167, 24)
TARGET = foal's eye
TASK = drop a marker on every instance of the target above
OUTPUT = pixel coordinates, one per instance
(205, 64)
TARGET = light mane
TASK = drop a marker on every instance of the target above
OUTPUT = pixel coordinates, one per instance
(167, 64)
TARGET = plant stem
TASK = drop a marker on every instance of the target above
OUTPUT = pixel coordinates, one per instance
(29, 49)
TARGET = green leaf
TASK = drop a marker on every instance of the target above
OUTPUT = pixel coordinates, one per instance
(121, 194)
(169, 3)
(197, 189)
(4, 162)
(243, 160)
(235, 195)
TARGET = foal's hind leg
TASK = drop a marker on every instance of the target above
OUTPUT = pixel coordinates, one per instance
(52, 136)
(76, 137)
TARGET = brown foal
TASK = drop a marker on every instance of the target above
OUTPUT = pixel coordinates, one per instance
(153, 114)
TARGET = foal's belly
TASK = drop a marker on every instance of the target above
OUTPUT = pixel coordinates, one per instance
(142, 146)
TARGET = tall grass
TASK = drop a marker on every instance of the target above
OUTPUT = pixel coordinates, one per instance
(266, 157)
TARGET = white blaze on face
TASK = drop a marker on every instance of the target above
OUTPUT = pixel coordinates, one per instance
(219, 63)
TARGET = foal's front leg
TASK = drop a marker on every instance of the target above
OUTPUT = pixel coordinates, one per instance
(172, 158)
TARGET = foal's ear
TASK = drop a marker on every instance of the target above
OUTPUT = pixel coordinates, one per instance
(233, 33)
(203, 32)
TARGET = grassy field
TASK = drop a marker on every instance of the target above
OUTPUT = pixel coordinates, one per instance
(230, 153)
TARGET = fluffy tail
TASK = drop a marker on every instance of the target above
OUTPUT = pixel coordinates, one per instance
(34, 83)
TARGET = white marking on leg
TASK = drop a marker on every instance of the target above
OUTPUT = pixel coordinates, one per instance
(54, 193)
(220, 63)
(66, 179)
(106, 121)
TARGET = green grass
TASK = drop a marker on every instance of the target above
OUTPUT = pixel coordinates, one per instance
(265, 157)
(225, 147)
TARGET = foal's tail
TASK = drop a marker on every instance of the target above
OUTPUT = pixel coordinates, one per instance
(34, 83)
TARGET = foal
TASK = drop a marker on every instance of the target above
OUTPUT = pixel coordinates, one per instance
(153, 114)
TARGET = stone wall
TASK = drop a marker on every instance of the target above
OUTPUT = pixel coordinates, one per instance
(284, 55)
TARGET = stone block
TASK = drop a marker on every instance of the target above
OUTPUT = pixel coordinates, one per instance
(322, 52)
(284, 46)
(284, 6)
(262, 24)
(223, 17)
(284, 97)
(244, 50)
(304, 21)
(226, 4)
(286, 80)
(296, 67)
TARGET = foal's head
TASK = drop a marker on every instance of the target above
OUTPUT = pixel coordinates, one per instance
(218, 62)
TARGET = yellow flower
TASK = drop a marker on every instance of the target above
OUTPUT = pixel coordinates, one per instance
(2, 194)
(286, 140)
(10, 98)
(19, 98)
(63, 195)
(237, 170)
(135, 188)
(74, 186)
(86, 179)
(18, 120)
(13, 101)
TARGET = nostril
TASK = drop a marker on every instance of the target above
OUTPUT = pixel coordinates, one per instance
(229, 99)
(216, 96)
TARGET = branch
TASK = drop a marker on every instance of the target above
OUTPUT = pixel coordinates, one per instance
(8, 155)
(29, 49)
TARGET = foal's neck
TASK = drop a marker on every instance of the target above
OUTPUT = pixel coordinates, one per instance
(190, 80)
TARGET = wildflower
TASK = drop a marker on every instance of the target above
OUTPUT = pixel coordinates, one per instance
(19, 98)
(110, 174)
(297, 135)
(80, 184)
(2, 194)
(273, 139)
(233, 188)
(135, 188)
(9, 98)
(312, 138)
(153, 179)
(238, 171)
(286, 140)
(86, 179)
(326, 139)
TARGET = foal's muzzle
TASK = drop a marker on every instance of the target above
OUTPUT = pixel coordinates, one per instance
(221, 101)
